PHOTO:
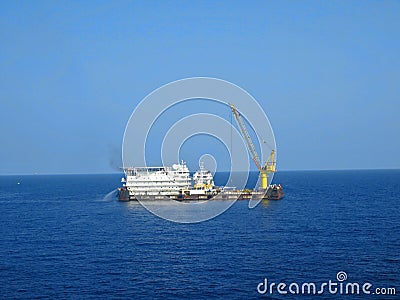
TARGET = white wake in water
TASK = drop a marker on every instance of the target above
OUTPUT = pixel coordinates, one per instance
(111, 196)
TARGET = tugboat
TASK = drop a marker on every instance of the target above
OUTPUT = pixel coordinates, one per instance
(203, 188)
(274, 192)
(203, 179)
(123, 194)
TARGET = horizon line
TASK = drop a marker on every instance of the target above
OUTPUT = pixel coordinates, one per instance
(284, 170)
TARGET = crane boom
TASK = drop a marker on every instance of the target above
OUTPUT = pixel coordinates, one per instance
(246, 137)
(269, 166)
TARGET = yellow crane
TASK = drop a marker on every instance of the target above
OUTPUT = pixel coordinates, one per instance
(269, 166)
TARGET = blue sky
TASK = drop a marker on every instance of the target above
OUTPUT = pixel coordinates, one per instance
(326, 73)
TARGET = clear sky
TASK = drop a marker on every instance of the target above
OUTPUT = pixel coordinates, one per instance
(327, 74)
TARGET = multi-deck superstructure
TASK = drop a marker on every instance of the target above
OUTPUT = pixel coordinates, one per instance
(155, 182)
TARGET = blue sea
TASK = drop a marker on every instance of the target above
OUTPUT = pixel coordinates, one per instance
(63, 237)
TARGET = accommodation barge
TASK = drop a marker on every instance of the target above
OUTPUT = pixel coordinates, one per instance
(175, 183)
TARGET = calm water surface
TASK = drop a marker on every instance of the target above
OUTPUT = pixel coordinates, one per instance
(60, 238)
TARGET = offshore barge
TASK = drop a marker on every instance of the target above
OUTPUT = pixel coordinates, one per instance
(175, 183)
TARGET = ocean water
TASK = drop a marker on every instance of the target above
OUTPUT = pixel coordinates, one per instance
(60, 237)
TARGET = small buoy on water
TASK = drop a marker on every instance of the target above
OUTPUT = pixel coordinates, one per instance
(18, 183)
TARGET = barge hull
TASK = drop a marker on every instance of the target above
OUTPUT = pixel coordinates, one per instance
(274, 192)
